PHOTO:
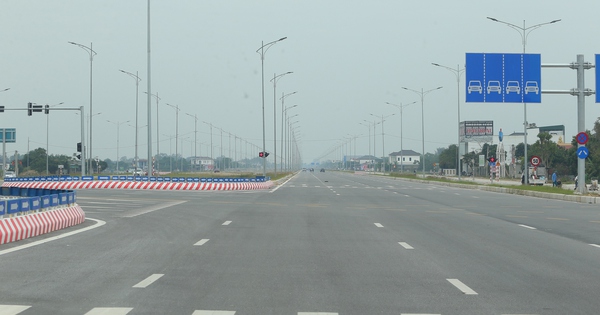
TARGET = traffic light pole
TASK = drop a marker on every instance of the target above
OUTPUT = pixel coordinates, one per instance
(38, 108)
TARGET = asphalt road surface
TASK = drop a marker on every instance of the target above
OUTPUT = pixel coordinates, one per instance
(320, 244)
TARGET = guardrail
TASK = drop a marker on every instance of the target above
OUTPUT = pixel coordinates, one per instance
(20, 201)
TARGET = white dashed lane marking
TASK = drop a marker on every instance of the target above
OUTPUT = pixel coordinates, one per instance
(461, 286)
(378, 225)
(148, 281)
(226, 222)
(201, 242)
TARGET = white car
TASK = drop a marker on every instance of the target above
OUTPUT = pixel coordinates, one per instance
(513, 86)
(494, 86)
(531, 86)
(9, 174)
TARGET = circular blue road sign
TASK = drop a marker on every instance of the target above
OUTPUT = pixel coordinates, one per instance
(582, 152)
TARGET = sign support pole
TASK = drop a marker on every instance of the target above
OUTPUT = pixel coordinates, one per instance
(580, 121)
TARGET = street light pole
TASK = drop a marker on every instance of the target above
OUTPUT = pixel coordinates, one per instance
(382, 137)
(176, 107)
(157, 133)
(211, 143)
(47, 135)
(137, 82)
(283, 111)
(118, 123)
(262, 50)
(92, 53)
(283, 96)
(400, 107)
(524, 32)
(458, 71)
(195, 135)
(274, 80)
(422, 95)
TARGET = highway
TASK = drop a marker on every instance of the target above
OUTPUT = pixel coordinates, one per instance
(320, 244)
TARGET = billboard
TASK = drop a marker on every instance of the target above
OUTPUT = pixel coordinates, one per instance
(476, 131)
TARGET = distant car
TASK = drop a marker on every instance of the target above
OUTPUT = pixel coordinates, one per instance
(312, 169)
(531, 87)
(513, 86)
(322, 170)
(475, 86)
(9, 174)
(494, 86)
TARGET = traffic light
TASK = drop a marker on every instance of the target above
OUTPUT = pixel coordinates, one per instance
(266, 154)
(78, 146)
(29, 109)
(492, 159)
(47, 109)
(263, 154)
(1, 109)
(78, 156)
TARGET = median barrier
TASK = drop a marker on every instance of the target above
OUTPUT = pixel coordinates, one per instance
(139, 182)
(28, 212)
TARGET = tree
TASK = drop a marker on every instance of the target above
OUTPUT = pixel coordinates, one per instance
(448, 157)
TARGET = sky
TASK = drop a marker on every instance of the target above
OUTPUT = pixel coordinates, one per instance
(349, 58)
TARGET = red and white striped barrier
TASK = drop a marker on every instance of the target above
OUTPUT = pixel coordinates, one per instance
(143, 185)
(30, 225)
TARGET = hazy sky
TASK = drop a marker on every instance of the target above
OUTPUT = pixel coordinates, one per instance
(348, 59)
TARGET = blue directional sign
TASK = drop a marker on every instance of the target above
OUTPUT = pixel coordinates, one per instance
(582, 152)
(8, 135)
(503, 78)
(597, 78)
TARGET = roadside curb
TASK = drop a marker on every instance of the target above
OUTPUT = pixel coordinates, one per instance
(571, 198)
(144, 185)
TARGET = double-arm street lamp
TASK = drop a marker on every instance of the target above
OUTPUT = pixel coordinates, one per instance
(458, 71)
(524, 32)
(422, 95)
(400, 107)
(118, 123)
(262, 51)
(92, 53)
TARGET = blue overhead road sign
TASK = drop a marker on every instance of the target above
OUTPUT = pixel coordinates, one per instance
(503, 78)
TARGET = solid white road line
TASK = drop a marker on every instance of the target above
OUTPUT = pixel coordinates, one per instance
(12, 309)
(148, 281)
(213, 313)
(316, 313)
(378, 225)
(405, 245)
(527, 227)
(461, 286)
(201, 242)
(226, 223)
(417, 314)
(109, 311)
(99, 223)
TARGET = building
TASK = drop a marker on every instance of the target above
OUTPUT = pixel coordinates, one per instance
(405, 159)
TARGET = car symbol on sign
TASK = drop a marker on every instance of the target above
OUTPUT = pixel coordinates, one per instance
(513, 86)
(494, 86)
(474, 86)
(531, 86)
